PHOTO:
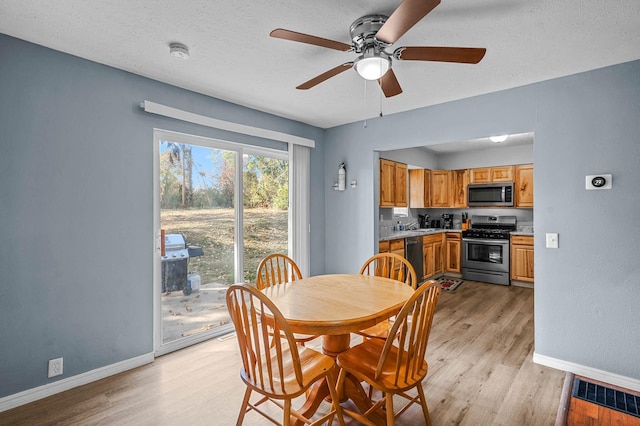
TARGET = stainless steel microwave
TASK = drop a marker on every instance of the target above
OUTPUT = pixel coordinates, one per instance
(499, 194)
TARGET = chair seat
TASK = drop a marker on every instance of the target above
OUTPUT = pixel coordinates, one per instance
(314, 365)
(362, 361)
(378, 331)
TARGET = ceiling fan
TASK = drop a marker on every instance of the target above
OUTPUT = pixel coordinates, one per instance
(372, 34)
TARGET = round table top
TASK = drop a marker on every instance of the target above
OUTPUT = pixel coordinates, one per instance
(338, 303)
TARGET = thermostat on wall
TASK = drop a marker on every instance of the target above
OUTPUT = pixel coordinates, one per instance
(598, 182)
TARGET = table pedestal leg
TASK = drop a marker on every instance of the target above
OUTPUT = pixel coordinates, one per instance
(353, 390)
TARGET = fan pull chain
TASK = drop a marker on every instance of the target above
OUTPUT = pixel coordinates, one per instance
(365, 103)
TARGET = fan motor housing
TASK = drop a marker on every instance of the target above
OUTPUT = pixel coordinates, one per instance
(364, 29)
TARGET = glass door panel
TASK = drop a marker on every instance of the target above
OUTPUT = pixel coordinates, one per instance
(265, 209)
(198, 220)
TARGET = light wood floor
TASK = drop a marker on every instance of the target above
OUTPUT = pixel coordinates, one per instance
(480, 373)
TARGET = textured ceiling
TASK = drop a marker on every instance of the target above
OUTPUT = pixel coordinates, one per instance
(233, 58)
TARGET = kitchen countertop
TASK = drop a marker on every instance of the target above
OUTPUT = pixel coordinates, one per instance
(415, 233)
(525, 231)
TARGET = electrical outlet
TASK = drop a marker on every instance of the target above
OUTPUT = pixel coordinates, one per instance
(55, 367)
(552, 240)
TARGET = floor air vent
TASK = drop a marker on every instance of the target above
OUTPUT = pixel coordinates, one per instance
(607, 397)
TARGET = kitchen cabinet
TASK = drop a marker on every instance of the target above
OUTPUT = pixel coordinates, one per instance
(459, 182)
(440, 188)
(453, 251)
(522, 258)
(397, 246)
(392, 246)
(432, 253)
(524, 185)
(502, 174)
(419, 188)
(393, 184)
(491, 174)
(400, 187)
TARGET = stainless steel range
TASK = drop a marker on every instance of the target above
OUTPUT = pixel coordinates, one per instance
(485, 249)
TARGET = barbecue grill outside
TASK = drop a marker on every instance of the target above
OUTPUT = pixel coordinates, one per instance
(175, 263)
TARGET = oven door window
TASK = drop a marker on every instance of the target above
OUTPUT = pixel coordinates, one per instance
(486, 252)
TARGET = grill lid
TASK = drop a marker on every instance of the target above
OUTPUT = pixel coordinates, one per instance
(175, 247)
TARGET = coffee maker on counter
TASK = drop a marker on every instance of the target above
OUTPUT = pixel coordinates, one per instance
(423, 220)
(447, 221)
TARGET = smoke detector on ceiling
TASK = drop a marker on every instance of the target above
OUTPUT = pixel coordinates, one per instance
(179, 50)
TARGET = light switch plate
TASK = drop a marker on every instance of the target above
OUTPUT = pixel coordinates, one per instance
(552, 240)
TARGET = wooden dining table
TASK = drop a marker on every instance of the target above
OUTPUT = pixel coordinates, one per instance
(334, 306)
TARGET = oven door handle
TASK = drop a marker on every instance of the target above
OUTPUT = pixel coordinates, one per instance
(488, 241)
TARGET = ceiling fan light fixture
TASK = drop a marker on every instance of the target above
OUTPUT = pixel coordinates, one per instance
(498, 139)
(372, 65)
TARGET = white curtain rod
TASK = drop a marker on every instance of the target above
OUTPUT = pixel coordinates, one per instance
(167, 111)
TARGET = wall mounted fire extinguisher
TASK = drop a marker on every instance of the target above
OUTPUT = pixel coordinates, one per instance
(342, 176)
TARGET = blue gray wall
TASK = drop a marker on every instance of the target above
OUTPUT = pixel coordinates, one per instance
(587, 291)
(76, 208)
(76, 205)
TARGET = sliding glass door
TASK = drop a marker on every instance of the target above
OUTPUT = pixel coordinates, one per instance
(266, 209)
(221, 208)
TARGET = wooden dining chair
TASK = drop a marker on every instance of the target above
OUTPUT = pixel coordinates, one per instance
(278, 269)
(388, 265)
(279, 372)
(395, 366)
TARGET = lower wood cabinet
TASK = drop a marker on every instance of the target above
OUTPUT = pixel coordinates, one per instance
(453, 252)
(392, 246)
(433, 255)
(522, 258)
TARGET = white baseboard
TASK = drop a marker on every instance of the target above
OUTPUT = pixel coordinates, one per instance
(30, 395)
(589, 372)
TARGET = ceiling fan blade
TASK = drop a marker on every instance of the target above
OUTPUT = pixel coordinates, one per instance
(403, 18)
(465, 55)
(389, 84)
(309, 39)
(325, 76)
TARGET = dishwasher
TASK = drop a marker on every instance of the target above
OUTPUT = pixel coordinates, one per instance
(413, 253)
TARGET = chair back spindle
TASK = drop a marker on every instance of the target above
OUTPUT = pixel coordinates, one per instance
(390, 265)
(276, 269)
(411, 328)
(263, 358)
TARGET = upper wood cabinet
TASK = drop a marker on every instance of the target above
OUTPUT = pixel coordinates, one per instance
(393, 184)
(491, 174)
(419, 188)
(401, 185)
(524, 185)
(440, 188)
(482, 175)
(502, 174)
(387, 183)
(459, 182)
